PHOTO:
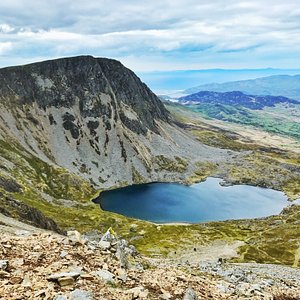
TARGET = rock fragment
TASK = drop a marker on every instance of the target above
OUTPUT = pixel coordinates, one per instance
(81, 295)
(3, 264)
(138, 292)
(104, 245)
(75, 237)
(64, 281)
(190, 295)
(104, 275)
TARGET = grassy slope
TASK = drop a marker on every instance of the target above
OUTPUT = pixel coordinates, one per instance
(260, 119)
(273, 239)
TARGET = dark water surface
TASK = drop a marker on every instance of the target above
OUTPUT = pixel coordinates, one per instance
(205, 201)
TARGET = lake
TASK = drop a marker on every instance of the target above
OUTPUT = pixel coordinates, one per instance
(201, 202)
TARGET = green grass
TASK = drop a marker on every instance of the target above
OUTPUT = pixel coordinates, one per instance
(267, 122)
(172, 165)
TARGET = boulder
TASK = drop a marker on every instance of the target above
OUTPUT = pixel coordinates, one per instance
(104, 245)
(75, 237)
(108, 236)
(104, 275)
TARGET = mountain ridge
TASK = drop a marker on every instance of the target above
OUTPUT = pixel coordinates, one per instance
(235, 98)
(275, 85)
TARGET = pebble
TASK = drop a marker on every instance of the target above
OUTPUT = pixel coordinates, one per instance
(26, 281)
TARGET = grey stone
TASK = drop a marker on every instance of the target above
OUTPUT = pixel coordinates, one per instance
(60, 297)
(121, 254)
(81, 295)
(55, 277)
(75, 237)
(190, 295)
(104, 275)
(3, 264)
(104, 245)
(63, 254)
(108, 236)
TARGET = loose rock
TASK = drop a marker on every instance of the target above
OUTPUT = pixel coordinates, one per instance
(190, 295)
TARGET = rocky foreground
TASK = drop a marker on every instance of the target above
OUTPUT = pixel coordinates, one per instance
(44, 265)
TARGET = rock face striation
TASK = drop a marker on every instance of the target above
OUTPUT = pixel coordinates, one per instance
(95, 118)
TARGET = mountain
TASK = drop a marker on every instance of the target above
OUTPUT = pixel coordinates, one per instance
(71, 126)
(92, 116)
(175, 81)
(236, 99)
(277, 85)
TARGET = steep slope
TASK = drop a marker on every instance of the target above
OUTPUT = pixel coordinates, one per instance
(277, 85)
(95, 118)
(236, 98)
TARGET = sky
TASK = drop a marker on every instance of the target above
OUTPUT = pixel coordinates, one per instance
(156, 35)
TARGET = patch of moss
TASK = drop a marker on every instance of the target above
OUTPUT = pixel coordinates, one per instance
(164, 163)
(136, 176)
(203, 170)
(223, 140)
(261, 169)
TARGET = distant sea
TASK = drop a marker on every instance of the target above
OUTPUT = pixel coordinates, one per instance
(167, 82)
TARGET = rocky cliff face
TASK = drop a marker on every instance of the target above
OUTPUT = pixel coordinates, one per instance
(99, 87)
(95, 118)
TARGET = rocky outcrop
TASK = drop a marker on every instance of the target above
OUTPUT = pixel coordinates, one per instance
(84, 81)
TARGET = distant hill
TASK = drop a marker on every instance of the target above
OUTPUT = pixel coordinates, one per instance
(275, 114)
(235, 99)
(278, 85)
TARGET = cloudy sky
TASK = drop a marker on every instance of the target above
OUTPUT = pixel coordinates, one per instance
(154, 35)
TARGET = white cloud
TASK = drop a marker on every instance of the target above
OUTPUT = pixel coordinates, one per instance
(5, 47)
(165, 30)
(5, 28)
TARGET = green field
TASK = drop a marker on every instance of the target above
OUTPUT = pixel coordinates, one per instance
(279, 120)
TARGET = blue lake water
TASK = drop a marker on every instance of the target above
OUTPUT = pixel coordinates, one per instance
(205, 201)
